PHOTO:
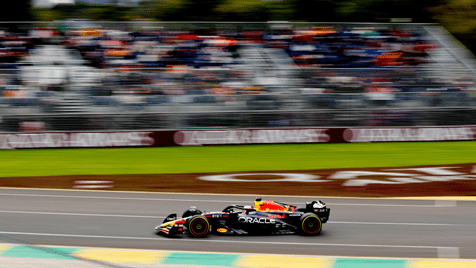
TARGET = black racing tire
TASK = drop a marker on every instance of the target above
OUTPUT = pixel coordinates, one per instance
(310, 224)
(198, 226)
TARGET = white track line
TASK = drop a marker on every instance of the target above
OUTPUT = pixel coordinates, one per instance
(404, 223)
(162, 217)
(197, 200)
(448, 252)
(420, 198)
(121, 198)
(201, 241)
(445, 203)
(81, 214)
(380, 205)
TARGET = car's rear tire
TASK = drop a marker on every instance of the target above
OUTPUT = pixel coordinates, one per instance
(310, 224)
(198, 226)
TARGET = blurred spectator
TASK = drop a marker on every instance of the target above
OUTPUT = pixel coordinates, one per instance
(101, 70)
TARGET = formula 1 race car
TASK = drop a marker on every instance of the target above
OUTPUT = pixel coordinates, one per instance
(265, 217)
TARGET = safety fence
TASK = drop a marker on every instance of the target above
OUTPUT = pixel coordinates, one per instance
(180, 118)
(201, 137)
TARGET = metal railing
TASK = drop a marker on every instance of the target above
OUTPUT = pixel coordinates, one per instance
(241, 119)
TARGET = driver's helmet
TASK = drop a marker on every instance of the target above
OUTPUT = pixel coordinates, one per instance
(191, 211)
(247, 208)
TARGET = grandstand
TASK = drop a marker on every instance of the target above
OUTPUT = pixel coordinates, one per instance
(202, 75)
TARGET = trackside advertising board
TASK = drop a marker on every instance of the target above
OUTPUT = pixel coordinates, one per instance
(195, 137)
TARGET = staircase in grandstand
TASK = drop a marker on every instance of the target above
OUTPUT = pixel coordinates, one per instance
(270, 66)
(452, 58)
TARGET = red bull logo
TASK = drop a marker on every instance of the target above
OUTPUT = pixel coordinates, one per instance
(276, 216)
(272, 206)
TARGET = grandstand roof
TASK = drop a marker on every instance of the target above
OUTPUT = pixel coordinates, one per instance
(51, 3)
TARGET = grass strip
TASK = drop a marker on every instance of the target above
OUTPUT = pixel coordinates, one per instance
(50, 162)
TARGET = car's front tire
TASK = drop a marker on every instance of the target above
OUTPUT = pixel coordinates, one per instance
(198, 226)
(310, 224)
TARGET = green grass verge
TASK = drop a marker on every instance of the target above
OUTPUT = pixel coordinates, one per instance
(18, 163)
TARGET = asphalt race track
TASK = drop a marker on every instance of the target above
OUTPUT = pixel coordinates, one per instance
(357, 227)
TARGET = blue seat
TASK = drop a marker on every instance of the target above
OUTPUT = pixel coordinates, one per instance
(23, 102)
(204, 99)
(196, 92)
(156, 100)
(104, 101)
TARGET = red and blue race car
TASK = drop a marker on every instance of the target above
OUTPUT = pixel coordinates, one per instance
(265, 217)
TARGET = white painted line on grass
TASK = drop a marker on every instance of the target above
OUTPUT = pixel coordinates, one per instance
(92, 186)
(92, 182)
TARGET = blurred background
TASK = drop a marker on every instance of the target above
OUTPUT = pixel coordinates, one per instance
(178, 64)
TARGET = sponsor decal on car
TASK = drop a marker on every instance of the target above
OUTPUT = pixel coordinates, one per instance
(320, 210)
(276, 216)
(256, 220)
